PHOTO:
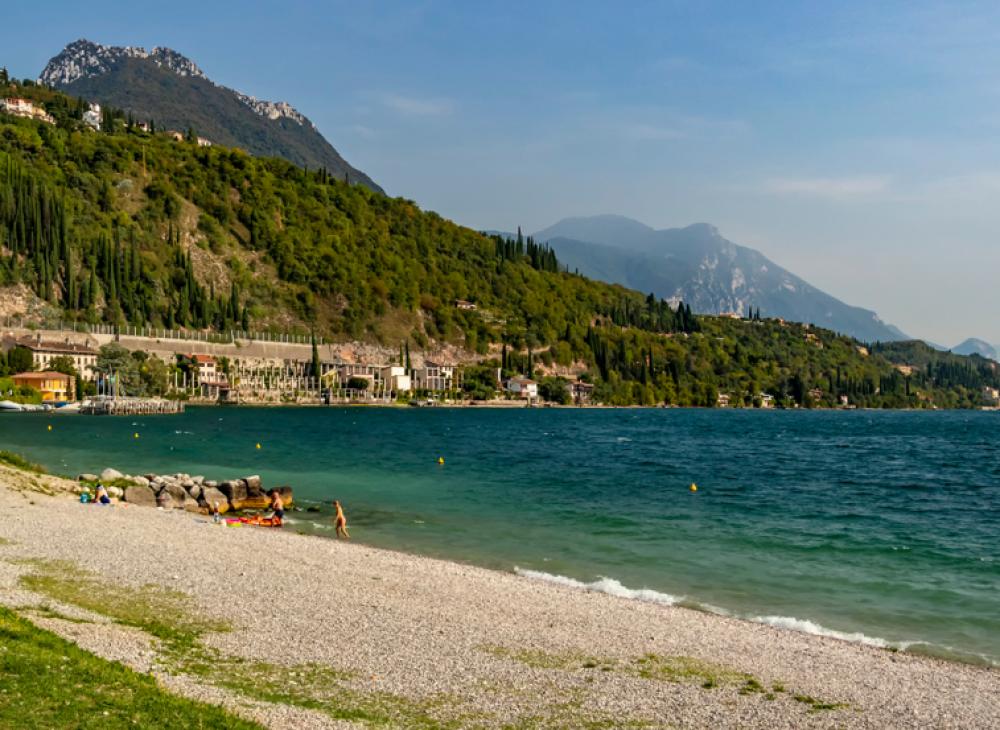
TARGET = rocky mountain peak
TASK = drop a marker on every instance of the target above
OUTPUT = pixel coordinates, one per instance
(84, 59)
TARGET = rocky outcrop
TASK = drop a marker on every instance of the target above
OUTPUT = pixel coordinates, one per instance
(187, 492)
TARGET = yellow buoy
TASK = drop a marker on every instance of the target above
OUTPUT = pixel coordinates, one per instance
(50, 426)
(135, 435)
(441, 460)
(258, 446)
(693, 487)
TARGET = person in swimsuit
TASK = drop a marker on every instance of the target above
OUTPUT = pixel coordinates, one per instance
(277, 505)
(102, 495)
(340, 521)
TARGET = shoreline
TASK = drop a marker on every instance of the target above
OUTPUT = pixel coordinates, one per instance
(501, 646)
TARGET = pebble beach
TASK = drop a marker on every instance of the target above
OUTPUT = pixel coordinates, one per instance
(448, 643)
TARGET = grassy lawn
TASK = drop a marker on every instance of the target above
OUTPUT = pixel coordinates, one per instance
(47, 682)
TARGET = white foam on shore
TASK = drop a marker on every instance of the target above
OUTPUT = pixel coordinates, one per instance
(602, 585)
(809, 627)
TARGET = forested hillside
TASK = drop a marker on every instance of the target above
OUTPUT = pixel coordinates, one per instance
(125, 226)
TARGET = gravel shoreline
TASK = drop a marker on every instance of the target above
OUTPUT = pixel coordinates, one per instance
(475, 647)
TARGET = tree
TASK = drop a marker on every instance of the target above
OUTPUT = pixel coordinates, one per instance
(554, 390)
(118, 369)
(358, 383)
(20, 360)
(63, 364)
(317, 370)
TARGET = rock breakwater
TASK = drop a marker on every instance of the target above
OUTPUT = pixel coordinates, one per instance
(193, 493)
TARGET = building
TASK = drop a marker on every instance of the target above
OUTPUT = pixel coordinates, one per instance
(991, 395)
(207, 368)
(52, 385)
(23, 108)
(582, 393)
(816, 394)
(522, 388)
(463, 304)
(723, 400)
(395, 378)
(434, 377)
(43, 353)
(202, 142)
(766, 400)
(92, 117)
(175, 135)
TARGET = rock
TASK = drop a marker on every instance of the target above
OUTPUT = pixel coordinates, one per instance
(109, 475)
(176, 491)
(87, 478)
(199, 480)
(235, 491)
(164, 500)
(195, 491)
(143, 496)
(210, 483)
(253, 484)
(139, 481)
(210, 496)
(116, 492)
(191, 505)
(261, 501)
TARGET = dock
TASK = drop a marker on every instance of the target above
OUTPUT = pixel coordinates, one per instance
(130, 407)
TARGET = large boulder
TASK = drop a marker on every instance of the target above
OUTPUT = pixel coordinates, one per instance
(235, 491)
(210, 483)
(176, 491)
(139, 481)
(211, 496)
(253, 484)
(195, 491)
(116, 492)
(143, 496)
(109, 475)
(191, 505)
(87, 478)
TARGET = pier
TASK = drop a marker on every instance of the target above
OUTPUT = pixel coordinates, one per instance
(130, 407)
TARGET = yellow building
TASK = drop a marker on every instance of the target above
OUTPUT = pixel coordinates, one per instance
(52, 385)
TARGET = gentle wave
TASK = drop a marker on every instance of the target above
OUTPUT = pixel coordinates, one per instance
(602, 585)
(805, 626)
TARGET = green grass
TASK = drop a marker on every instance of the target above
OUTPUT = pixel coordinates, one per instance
(19, 462)
(818, 705)
(5, 541)
(164, 613)
(47, 682)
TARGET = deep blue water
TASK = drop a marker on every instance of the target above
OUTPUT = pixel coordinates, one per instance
(881, 525)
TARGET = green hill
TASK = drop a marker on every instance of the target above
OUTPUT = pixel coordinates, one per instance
(123, 226)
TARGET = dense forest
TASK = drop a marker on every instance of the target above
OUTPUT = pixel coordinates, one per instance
(127, 225)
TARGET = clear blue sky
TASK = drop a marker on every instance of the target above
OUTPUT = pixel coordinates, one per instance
(855, 143)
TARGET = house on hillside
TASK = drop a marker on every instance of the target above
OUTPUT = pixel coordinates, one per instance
(43, 353)
(766, 400)
(52, 385)
(206, 367)
(522, 388)
(463, 304)
(19, 107)
(92, 117)
(202, 142)
(395, 378)
(722, 401)
(991, 395)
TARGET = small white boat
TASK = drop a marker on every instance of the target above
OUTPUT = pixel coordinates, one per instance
(9, 405)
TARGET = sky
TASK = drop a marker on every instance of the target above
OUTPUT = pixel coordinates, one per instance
(855, 143)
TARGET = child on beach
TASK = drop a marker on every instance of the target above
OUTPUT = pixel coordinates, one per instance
(340, 521)
(102, 495)
(216, 515)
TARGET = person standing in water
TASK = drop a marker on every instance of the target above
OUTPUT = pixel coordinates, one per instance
(340, 521)
(278, 505)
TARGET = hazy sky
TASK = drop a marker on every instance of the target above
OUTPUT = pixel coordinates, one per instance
(855, 143)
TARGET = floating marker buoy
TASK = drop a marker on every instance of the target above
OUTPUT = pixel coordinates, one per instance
(135, 435)
(693, 487)
(50, 426)
(258, 446)
(441, 460)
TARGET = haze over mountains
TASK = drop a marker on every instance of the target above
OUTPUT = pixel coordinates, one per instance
(710, 273)
(975, 346)
(168, 88)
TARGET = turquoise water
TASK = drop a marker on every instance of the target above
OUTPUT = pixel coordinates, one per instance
(882, 527)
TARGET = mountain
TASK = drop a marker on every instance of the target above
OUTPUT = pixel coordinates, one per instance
(973, 346)
(164, 86)
(710, 273)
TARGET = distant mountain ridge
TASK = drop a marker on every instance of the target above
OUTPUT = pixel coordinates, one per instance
(169, 88)
(698, 265)
(975, 346)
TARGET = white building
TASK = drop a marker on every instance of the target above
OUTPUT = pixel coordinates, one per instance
(434, 377)
(92, 117)
(23, 108)
(395, 378)
(207, 368)
(522, 388)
